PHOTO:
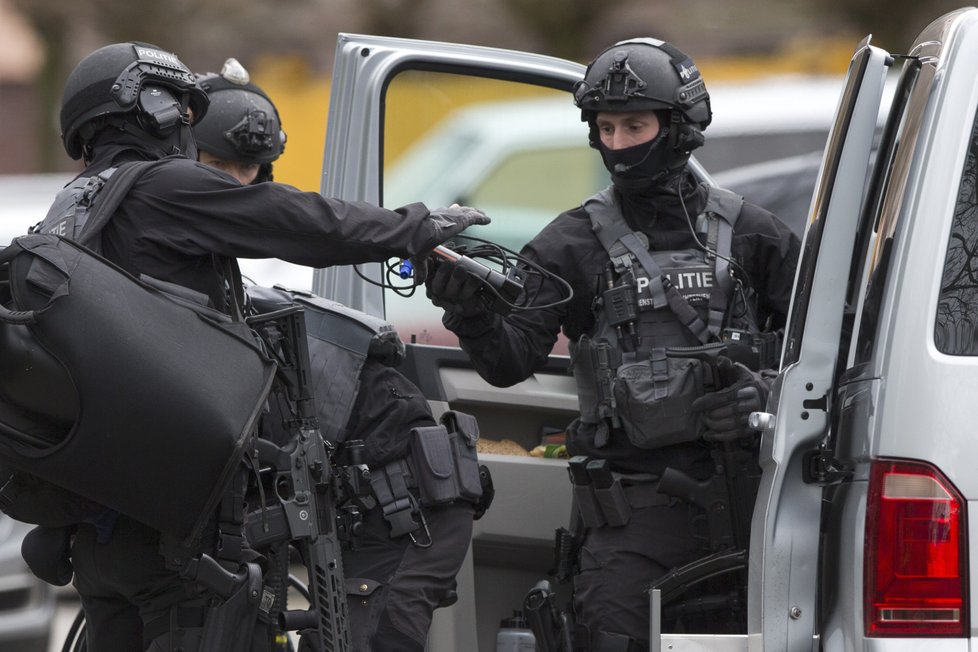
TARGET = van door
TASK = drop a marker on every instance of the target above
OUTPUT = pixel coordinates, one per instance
(443, 123)
(785, 527)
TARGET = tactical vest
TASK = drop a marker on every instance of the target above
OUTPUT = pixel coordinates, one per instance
(654, 312)
(84, 206)
(340, 341)
(442, 463)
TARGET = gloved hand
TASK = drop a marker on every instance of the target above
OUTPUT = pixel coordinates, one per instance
(453, 289)
(454, 219)
(725, 412)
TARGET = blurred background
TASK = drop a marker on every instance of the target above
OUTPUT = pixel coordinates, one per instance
(288, 46)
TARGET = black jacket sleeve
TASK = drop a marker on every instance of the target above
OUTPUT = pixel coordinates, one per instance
(770, 251)
(215, 214)
(507, 350)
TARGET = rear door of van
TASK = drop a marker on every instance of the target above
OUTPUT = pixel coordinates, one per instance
(784, 551)
(899, 465)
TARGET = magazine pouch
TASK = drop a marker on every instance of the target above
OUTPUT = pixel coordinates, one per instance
(654, 398)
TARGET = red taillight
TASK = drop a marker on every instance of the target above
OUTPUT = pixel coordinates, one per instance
(916, 555)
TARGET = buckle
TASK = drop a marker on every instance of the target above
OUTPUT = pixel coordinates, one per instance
(400, 516)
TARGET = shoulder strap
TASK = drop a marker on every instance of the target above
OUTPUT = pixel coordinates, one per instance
(623, 244)
(109, 196)
(721, 212)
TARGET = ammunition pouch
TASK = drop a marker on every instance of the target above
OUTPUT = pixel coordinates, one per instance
(443, 467)
(654, 398)
(445, 461)
(113, 391)
(607, 498)
(648, 399)
(394, 488)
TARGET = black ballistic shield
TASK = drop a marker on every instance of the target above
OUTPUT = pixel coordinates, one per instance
(113, 390)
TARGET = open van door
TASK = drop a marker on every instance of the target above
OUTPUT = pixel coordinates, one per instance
(443, 123)
(783, 576)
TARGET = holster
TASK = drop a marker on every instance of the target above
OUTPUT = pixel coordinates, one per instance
(606, 498)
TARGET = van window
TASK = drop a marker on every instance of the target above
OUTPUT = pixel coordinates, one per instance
(956, 326)
(517, 151)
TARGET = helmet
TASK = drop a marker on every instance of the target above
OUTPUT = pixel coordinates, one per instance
(647, 74)
(126, 79)
(242, 123)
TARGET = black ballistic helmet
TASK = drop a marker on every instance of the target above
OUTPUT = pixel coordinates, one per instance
(647, 74)
(242, 123)
(128, 80)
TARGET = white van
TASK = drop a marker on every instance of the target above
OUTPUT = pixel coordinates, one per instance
(860, 537)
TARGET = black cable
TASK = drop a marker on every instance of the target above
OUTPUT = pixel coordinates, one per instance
(507, 258)
(75, 640)
(299, 586)
(496, 254)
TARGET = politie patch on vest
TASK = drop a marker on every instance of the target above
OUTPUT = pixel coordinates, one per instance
(692, 277)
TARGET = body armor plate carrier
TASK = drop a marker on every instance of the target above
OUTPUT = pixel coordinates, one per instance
(632, 374)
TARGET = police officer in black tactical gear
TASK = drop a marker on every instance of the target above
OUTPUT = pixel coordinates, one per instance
(242, 132)
(403, 562)
(679, 290)
(185, 224)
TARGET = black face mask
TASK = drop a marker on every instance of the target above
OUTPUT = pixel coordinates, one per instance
(122, 134)
(640, 167)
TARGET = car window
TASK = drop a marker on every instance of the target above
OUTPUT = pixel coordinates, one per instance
(875, 243)
(517, 151)
(956, 327)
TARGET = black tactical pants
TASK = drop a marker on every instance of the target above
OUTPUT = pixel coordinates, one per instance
(132, 602)
(618, 563)
(123, 584)
(394, 586)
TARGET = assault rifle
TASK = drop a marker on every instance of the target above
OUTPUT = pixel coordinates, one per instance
(307, 487)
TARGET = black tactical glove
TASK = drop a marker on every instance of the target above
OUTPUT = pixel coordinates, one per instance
(725, 412)
(454, 219)
(454, 290)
